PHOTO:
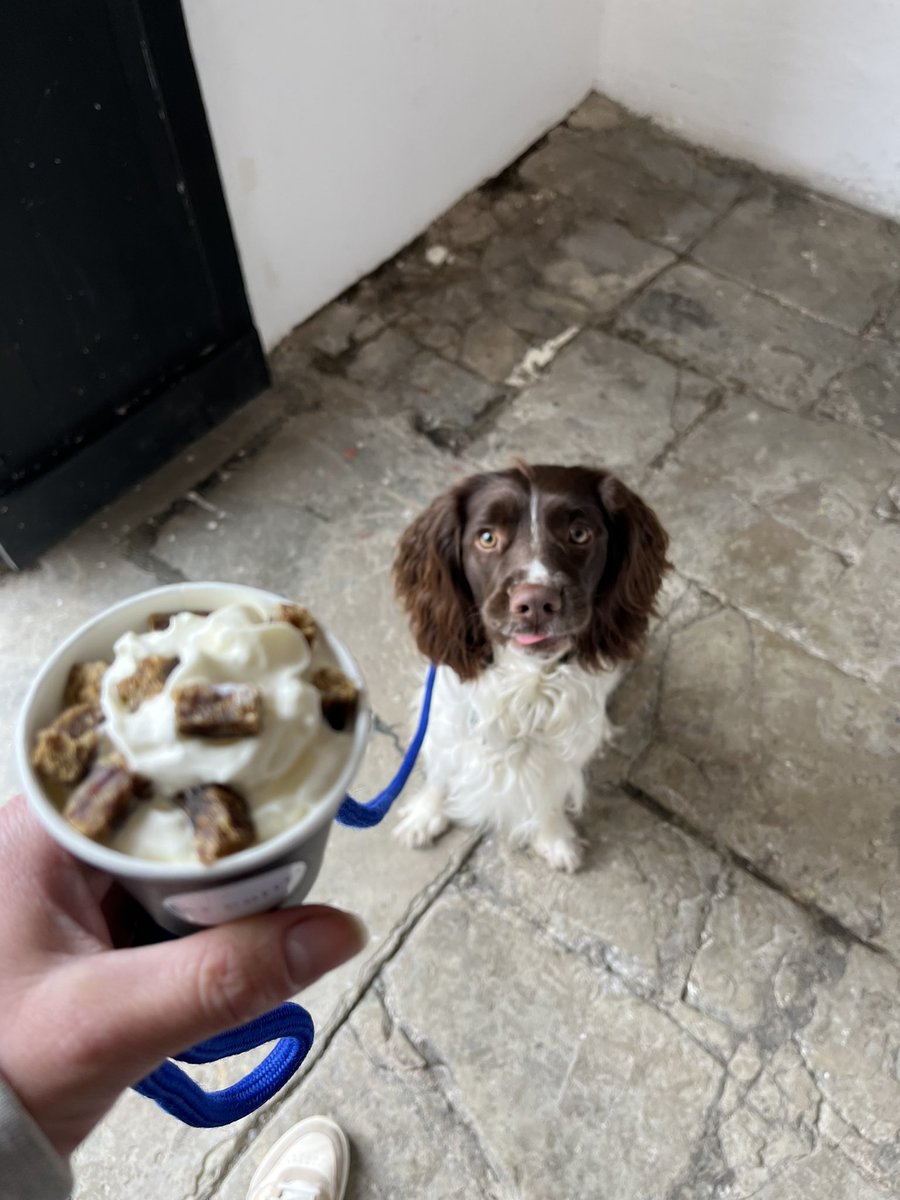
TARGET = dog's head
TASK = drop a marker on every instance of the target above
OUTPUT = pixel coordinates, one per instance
(551, 560)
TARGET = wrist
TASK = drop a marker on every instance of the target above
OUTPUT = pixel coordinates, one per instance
(35, 1166)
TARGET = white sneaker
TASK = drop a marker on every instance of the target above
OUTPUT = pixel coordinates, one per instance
(309, 1162)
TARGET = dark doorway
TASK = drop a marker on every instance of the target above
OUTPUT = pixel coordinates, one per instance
(124, 322)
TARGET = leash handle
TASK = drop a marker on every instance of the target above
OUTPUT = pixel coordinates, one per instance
(178, 1094)
(175, 1091)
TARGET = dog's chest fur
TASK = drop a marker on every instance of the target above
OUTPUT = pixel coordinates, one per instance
(520, 730)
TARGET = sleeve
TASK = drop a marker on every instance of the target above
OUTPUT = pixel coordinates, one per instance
(30, 1169)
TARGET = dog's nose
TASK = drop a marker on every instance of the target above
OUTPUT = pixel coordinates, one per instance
(534, 600)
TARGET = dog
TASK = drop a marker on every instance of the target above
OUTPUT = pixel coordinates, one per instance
(527, 588)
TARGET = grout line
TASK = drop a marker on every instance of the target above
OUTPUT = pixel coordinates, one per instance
(708, 1132)
(886, 440)
(593, 955)
(418, 907)
(844, 557)
(137, 546)
(435, 1065)
(827, 922)
(875, 325)
(743, 195)
(789, 635)
(782, 301)
(145, 559)
(380, 726)
(610, 320)
(712, 403)
(713, 894)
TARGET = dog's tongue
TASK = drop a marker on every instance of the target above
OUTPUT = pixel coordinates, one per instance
(530, 639)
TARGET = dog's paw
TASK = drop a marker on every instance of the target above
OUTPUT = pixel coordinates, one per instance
(416, 829)
(611, 735)
(421, 821)
(563, 853)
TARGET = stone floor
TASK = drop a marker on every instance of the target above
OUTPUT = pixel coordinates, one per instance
(711, 1007)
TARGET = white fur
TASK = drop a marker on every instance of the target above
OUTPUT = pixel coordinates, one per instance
(536, 572)
(507, 750)
(535, 523)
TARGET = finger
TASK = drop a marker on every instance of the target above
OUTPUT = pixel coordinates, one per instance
(25, 841)
(153, 1002)
(46, 878)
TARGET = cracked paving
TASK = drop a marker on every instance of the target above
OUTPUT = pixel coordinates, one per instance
(710, 1008)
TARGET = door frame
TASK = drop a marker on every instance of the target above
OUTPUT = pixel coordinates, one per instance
(147, 430)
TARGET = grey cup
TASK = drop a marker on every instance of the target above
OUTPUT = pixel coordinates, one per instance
(277, 872)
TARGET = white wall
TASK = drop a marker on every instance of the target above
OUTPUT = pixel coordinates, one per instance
(343, 127)
(810, 88)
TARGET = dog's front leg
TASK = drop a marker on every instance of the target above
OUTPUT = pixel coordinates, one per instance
(422, 818)
(556, 841)
(554, 837)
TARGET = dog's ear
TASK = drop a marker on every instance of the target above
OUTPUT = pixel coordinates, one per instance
(636, 563)
(431, 585)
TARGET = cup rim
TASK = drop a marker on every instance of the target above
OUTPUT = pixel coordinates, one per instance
(244, 862)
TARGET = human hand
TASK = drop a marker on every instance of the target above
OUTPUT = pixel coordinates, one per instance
(82, 1020)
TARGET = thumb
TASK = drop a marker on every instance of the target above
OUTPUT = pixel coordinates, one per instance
(159, 1000)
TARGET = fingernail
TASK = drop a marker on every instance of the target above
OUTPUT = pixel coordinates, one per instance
(362, 929)
(320, 942)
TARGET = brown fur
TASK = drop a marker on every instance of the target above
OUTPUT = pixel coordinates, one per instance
(431, 585)
(453, 600)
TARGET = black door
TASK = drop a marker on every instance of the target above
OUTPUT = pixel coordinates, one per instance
(124, 322)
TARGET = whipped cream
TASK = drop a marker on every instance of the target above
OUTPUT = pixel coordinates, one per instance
(280, 772)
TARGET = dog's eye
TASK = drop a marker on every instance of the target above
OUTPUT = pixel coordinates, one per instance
(580, 535)
(487, 539)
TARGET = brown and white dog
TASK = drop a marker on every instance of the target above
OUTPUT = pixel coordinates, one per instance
(527, 588)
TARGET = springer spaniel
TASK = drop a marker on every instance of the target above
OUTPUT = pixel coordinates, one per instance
(526, 588)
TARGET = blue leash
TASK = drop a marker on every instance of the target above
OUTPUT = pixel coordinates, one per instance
(175, 1091)
(363, 816)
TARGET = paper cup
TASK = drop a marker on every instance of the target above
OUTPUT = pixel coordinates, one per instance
(183, 897)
